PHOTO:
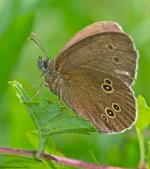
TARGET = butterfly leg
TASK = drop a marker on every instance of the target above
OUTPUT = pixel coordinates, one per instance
(37, 92)
(35, 83)
(60, 92)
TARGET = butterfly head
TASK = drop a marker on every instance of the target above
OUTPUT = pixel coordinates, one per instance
(43, 65)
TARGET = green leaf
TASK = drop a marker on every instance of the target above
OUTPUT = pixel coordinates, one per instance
(51, 118)
(7, 161)
(20, 92)
(143, 114)
(141, 124)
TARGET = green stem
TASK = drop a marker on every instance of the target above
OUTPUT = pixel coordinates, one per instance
(142, 147)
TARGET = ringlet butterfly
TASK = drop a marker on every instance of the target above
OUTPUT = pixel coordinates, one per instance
(93, 74)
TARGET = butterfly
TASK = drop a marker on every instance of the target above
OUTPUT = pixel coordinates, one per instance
(93, 74)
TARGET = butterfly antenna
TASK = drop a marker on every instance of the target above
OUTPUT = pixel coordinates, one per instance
(34, 38)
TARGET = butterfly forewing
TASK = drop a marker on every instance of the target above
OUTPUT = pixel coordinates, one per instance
(110, 52)
(95, 28)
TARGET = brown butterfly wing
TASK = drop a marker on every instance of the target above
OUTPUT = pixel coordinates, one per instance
(95, 55)
(95, 28)
(84, 94)
(110, 52)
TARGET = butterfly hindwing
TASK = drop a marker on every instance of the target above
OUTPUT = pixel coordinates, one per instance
(110, 111)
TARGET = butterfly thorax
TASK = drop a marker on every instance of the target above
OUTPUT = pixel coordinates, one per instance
(53, 78)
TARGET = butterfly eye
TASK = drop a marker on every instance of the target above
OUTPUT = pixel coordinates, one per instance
(110, 113)
(107, 88)
(43, 64)
(104, 118)
(116, 107)
(108, 81)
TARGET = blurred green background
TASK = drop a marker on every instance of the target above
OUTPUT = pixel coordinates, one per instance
(55, 22)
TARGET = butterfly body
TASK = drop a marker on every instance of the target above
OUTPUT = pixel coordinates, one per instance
(94, 73)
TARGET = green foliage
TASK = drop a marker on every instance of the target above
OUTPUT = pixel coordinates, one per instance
(10, 49)
(20, 93)
(143, 115)
(22, 162)
(51, 118)
(28, 163)
(142, 123)
(49, 147)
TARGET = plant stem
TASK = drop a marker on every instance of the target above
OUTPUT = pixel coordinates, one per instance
(61, 160)
(142, 148)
